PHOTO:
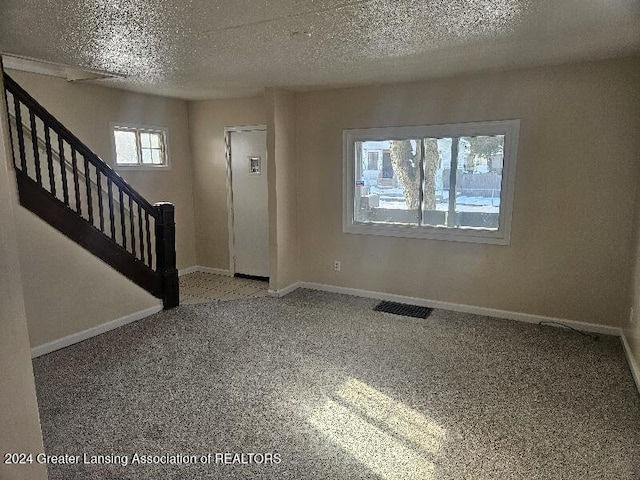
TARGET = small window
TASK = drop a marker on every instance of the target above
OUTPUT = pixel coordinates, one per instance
(373, 160)
(140, 146)
(445, 182)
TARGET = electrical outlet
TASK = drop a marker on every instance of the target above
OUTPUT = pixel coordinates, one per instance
(336, 265)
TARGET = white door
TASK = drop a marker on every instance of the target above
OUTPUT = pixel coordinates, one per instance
(249, 202)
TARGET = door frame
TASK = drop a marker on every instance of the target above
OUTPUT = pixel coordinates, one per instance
(227, 154)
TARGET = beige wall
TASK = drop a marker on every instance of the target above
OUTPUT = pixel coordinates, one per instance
(207, 120)
(283, 188)
(631, 328)
(67, 289)
(19, 420)
(572, 221)
(87, 111)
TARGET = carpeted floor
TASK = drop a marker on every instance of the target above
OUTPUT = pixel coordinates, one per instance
(338, 391)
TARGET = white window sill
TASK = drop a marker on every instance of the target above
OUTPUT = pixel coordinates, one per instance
(466, 235)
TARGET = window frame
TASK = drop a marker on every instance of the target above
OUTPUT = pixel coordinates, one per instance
(502, 236)
(138, 129)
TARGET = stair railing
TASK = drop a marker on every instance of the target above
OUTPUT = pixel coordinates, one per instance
(69, 166)
(143, 234)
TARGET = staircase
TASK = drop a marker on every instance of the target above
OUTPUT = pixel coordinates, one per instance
(67, 185)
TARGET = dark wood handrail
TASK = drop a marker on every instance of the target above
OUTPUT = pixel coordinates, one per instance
(51, 122)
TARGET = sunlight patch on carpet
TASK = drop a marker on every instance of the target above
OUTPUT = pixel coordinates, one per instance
(389, 438)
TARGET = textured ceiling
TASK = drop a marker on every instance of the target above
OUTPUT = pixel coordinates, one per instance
(211, 48)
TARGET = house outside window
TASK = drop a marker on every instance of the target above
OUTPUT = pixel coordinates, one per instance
(446, 182)
(136, 146)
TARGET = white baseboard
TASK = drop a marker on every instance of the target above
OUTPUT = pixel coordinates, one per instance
(200, 268)
(458, 307)
(92, 332)
(284, 291)
(489, 312)
(216, 271)
(188, 270)
(633, 365)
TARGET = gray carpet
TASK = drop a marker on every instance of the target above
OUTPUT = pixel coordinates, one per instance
(339, 391)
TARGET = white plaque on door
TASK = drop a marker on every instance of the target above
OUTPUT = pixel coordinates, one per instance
(255, 165)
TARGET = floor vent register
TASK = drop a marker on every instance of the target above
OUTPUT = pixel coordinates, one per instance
(403, 309)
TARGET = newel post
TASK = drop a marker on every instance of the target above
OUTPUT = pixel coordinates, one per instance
(166, 254)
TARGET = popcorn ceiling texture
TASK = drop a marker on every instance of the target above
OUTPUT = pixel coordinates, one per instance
(205, 48)
(344, 392)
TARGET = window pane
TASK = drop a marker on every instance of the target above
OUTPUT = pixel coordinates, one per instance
(146, 156)
(437, 165)
(479, 181)
(155, 140)
(392, 194)
(145, 140)
(126, 151)
(156, 157)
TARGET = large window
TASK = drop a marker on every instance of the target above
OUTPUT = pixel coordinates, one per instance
(136, 146)
(446, 182)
